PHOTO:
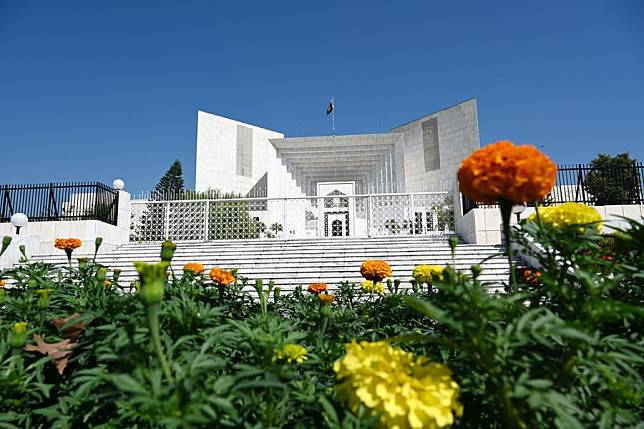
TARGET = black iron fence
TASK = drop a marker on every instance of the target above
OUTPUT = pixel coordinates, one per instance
(60, 201)
(583, 183)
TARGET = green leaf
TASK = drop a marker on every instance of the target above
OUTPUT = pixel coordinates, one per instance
(432, 312)
(127, 383)
(329, 410)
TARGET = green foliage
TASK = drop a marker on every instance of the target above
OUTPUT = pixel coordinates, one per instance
(565, 351)
(613, 180)
(172, 181)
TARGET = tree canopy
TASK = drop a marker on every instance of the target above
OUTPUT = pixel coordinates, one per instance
(613, 180)
(172, 181)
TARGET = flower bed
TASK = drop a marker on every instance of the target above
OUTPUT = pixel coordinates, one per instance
(560, 347)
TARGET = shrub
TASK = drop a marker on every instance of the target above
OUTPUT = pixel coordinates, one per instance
(613, 180)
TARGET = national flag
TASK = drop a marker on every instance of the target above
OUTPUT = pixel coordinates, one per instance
(330, 107)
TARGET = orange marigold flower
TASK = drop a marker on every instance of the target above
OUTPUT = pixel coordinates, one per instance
(194, 268)
(529, 275)
(326, 298)
(2, 283)
(317, 288)
(505, 171)
(375, 270)
(68, 243)
(221, 277)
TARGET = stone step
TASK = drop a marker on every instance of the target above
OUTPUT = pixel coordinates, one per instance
(290, 263)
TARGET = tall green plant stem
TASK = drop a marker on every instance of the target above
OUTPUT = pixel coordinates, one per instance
(506, 213)
(153, 324)
(323, 326)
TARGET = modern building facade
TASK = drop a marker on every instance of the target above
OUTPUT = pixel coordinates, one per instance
(420, 156)
(399, 182)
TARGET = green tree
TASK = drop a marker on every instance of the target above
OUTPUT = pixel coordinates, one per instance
(613, 180)
(171, 184)
(151, 225)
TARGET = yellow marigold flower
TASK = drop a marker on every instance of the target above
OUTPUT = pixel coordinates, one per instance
(194, 268)
(409, 391)
(17, 335)
(221, 277)
(505, 171)
(107, 283)
(568, 214)
(375, 270)
(2, 283)
(370, 286)
(425, 273)
(67, 243)
(44, 293)
(326, 299)
(19, 328)
(317, 288)
(292, 353)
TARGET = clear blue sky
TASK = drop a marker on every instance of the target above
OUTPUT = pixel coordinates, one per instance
(93, 90)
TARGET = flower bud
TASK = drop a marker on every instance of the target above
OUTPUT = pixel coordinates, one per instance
(101, 274)
(116, 275)
(43, 301)
(167, 250)
(6, 241)
(18, 335)
(476, 270)
(23, 250)
(153, 279)
(82, 263)
(453, 242)
(97, 243)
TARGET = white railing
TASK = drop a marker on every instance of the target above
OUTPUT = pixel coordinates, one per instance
(372, 215)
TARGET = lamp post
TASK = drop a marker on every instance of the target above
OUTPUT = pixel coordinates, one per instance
(517, 210)
(18, 220)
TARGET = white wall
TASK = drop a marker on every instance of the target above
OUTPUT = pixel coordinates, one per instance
(458, 136)
(216, 164)
(41, 236)
(483, 225)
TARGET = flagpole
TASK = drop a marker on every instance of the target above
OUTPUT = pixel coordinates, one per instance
(333, 115)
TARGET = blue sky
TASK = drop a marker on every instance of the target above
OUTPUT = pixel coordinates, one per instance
(96, 90)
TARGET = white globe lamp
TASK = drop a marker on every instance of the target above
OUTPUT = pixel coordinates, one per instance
(118, 184)
(18, 220)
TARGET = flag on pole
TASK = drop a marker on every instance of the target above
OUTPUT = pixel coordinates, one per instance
(330, 107)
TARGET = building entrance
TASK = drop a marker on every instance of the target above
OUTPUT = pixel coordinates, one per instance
(338, 210)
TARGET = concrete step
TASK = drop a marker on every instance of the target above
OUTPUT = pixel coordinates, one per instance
(290, 263)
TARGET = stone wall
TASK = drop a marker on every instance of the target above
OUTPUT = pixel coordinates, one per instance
(220, 165)
(458, 136)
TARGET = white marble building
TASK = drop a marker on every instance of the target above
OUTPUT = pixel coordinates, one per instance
(421, 155)
(319, 174)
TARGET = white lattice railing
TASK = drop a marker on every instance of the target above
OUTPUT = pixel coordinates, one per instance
(420, 213)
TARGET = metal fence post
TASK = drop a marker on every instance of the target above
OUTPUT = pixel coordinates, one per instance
(284, 218)
(412, 214)
(369, 215)
(166, 224)
(206, 220)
